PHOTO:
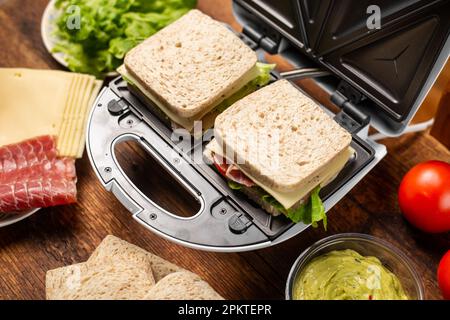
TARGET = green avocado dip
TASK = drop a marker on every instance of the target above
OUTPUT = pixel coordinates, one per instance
(347, 275)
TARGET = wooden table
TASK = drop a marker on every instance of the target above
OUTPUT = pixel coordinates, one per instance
(61, 236)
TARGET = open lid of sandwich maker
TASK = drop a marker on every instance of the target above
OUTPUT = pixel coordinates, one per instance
(377, 77)
(384, 68)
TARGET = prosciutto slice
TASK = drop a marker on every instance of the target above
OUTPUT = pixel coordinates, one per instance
(27, 153)
(39, 193)
(61, 168)
(231, 171)
(33, 176)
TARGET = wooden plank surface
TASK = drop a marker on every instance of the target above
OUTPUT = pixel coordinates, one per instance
(61, 236)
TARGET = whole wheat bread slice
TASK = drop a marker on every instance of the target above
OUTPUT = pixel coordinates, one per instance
(117, 270)
(182, 286)
(63, 282)
(280, 136)
(124, 280)
(191, 64)
(111, 246)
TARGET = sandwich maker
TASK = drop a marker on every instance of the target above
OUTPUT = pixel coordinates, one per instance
(377, 77)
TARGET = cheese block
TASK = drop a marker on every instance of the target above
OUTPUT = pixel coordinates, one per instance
(46, 102)
(288, 199)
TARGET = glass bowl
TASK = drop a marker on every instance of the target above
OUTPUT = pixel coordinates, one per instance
(392, 258)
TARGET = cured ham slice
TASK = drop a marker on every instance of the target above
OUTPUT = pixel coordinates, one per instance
(232, 172)
(32, 176)
(63, 168)
(39, 193)
(27, 153)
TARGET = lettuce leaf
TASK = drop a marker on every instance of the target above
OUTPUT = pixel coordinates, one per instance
(109, 29)
(261, 80)
(311, 212)
(234, 185)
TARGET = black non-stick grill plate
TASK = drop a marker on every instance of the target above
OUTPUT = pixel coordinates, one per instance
(388, 65)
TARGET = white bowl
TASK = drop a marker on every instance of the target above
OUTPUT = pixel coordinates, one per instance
(10, 218)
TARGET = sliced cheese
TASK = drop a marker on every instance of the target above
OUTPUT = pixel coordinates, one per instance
(64, 134)
(73, 139)
(81, 128)
(288, 199)
(188, 123)
(74, 118)
(79, 123)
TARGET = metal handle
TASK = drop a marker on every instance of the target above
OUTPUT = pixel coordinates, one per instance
(304, 73)
(208, 229)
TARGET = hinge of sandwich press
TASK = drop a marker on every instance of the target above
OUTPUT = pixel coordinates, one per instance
(350, 117)
(255, 39)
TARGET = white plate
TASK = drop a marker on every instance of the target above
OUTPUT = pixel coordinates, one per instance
(8, 219)
(47, 33)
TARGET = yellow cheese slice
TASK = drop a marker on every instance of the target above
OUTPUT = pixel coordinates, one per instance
(288, 199)
(77, 115)
(69, 103)
(65, 133)
(81, 126)
(33, 103)
(187, 123)
(77, 118)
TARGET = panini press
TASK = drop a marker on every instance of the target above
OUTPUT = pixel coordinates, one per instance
(377, 77)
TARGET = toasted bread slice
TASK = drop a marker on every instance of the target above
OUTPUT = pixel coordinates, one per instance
(191, 65)
(280, 137)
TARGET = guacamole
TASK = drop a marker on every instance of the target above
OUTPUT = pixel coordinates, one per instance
(347, 275)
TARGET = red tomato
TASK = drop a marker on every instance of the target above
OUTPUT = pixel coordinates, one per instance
(444, 275)
(222, 168)
(424, 196)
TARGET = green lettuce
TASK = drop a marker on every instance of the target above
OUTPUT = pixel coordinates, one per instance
(234, 185)
(109, 29)
(261, 80)
(311, 212)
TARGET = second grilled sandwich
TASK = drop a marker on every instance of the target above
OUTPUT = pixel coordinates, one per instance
(279, 148)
